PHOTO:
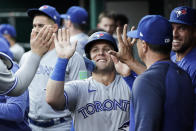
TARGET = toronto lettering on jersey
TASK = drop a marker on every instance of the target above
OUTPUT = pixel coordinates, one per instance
(107, 105)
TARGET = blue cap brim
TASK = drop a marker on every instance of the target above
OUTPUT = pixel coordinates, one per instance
(65, 16)
(132, 34)
(32, 12)
(181, 22)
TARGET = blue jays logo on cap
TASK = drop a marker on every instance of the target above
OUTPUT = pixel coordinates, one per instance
(43, 7)
(183, 15)
(181, 12)
(99, 35)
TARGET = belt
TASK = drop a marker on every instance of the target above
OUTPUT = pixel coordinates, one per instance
(48, 123)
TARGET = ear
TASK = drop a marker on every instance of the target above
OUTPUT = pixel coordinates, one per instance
(144, 46)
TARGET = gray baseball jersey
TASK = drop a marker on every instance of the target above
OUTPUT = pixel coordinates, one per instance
(96, 107)
(39, 109)
(16, 84)
(81, 39)
(17, 51)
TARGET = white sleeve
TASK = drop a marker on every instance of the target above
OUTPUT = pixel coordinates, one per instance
(71, 93)
(26, 73)
(7, 79)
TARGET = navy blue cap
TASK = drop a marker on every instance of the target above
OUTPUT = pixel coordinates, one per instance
(153, 29)
(98, 36)
(183, 15)
(7, 29)
(47, 10)
(76, 14)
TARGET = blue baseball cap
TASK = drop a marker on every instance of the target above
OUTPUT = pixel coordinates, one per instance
(76, 14)
(183, 15)
(153, 29)
(99, 36)
(50, 11)
(8, 29)
(4, 47)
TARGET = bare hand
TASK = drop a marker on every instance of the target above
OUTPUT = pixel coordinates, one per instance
(125, 46)
(40, 43)
(122, 68)
(63, 46)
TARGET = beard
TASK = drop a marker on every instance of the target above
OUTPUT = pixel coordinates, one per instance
(105, 70)
(184, 47)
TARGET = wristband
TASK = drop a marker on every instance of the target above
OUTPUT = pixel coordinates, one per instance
(58, 73)
(130, 79)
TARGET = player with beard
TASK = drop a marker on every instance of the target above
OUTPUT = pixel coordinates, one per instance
(183, 21)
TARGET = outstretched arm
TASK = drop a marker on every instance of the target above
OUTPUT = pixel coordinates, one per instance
(55, 87)
(40, 44)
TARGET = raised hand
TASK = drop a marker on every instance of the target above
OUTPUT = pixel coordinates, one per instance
(40, 43)
(122, 68)
(125, 53)
(125, 47)
(63, 46)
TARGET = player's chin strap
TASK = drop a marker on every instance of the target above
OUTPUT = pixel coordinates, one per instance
(6, 60)
(90, 65)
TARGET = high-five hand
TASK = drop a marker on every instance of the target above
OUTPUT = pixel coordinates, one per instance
(40, 43)
(63, 46)
(125, 46)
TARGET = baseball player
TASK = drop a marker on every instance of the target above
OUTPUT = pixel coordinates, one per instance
(75, 20)
(16, 84)
(41, 115)
(183, 20)
(9, 32)
(99, 103)
(163, 96)
(13, 113)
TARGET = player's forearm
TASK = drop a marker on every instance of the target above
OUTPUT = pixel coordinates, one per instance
(137, 67)
(55, 87)
(55, 94)
(25, 74)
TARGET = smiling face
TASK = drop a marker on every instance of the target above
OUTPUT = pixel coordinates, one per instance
(183, 38)
(98, 53)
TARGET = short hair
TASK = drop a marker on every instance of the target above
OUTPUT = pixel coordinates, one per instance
(164, 49)
(94, 30)
(81, 27)
(107, 14)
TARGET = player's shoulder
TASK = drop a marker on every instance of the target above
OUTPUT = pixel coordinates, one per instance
(80, 83)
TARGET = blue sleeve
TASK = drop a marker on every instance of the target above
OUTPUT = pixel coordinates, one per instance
(14, 108)
(147, 104)
(130, 79)
(58, 73)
